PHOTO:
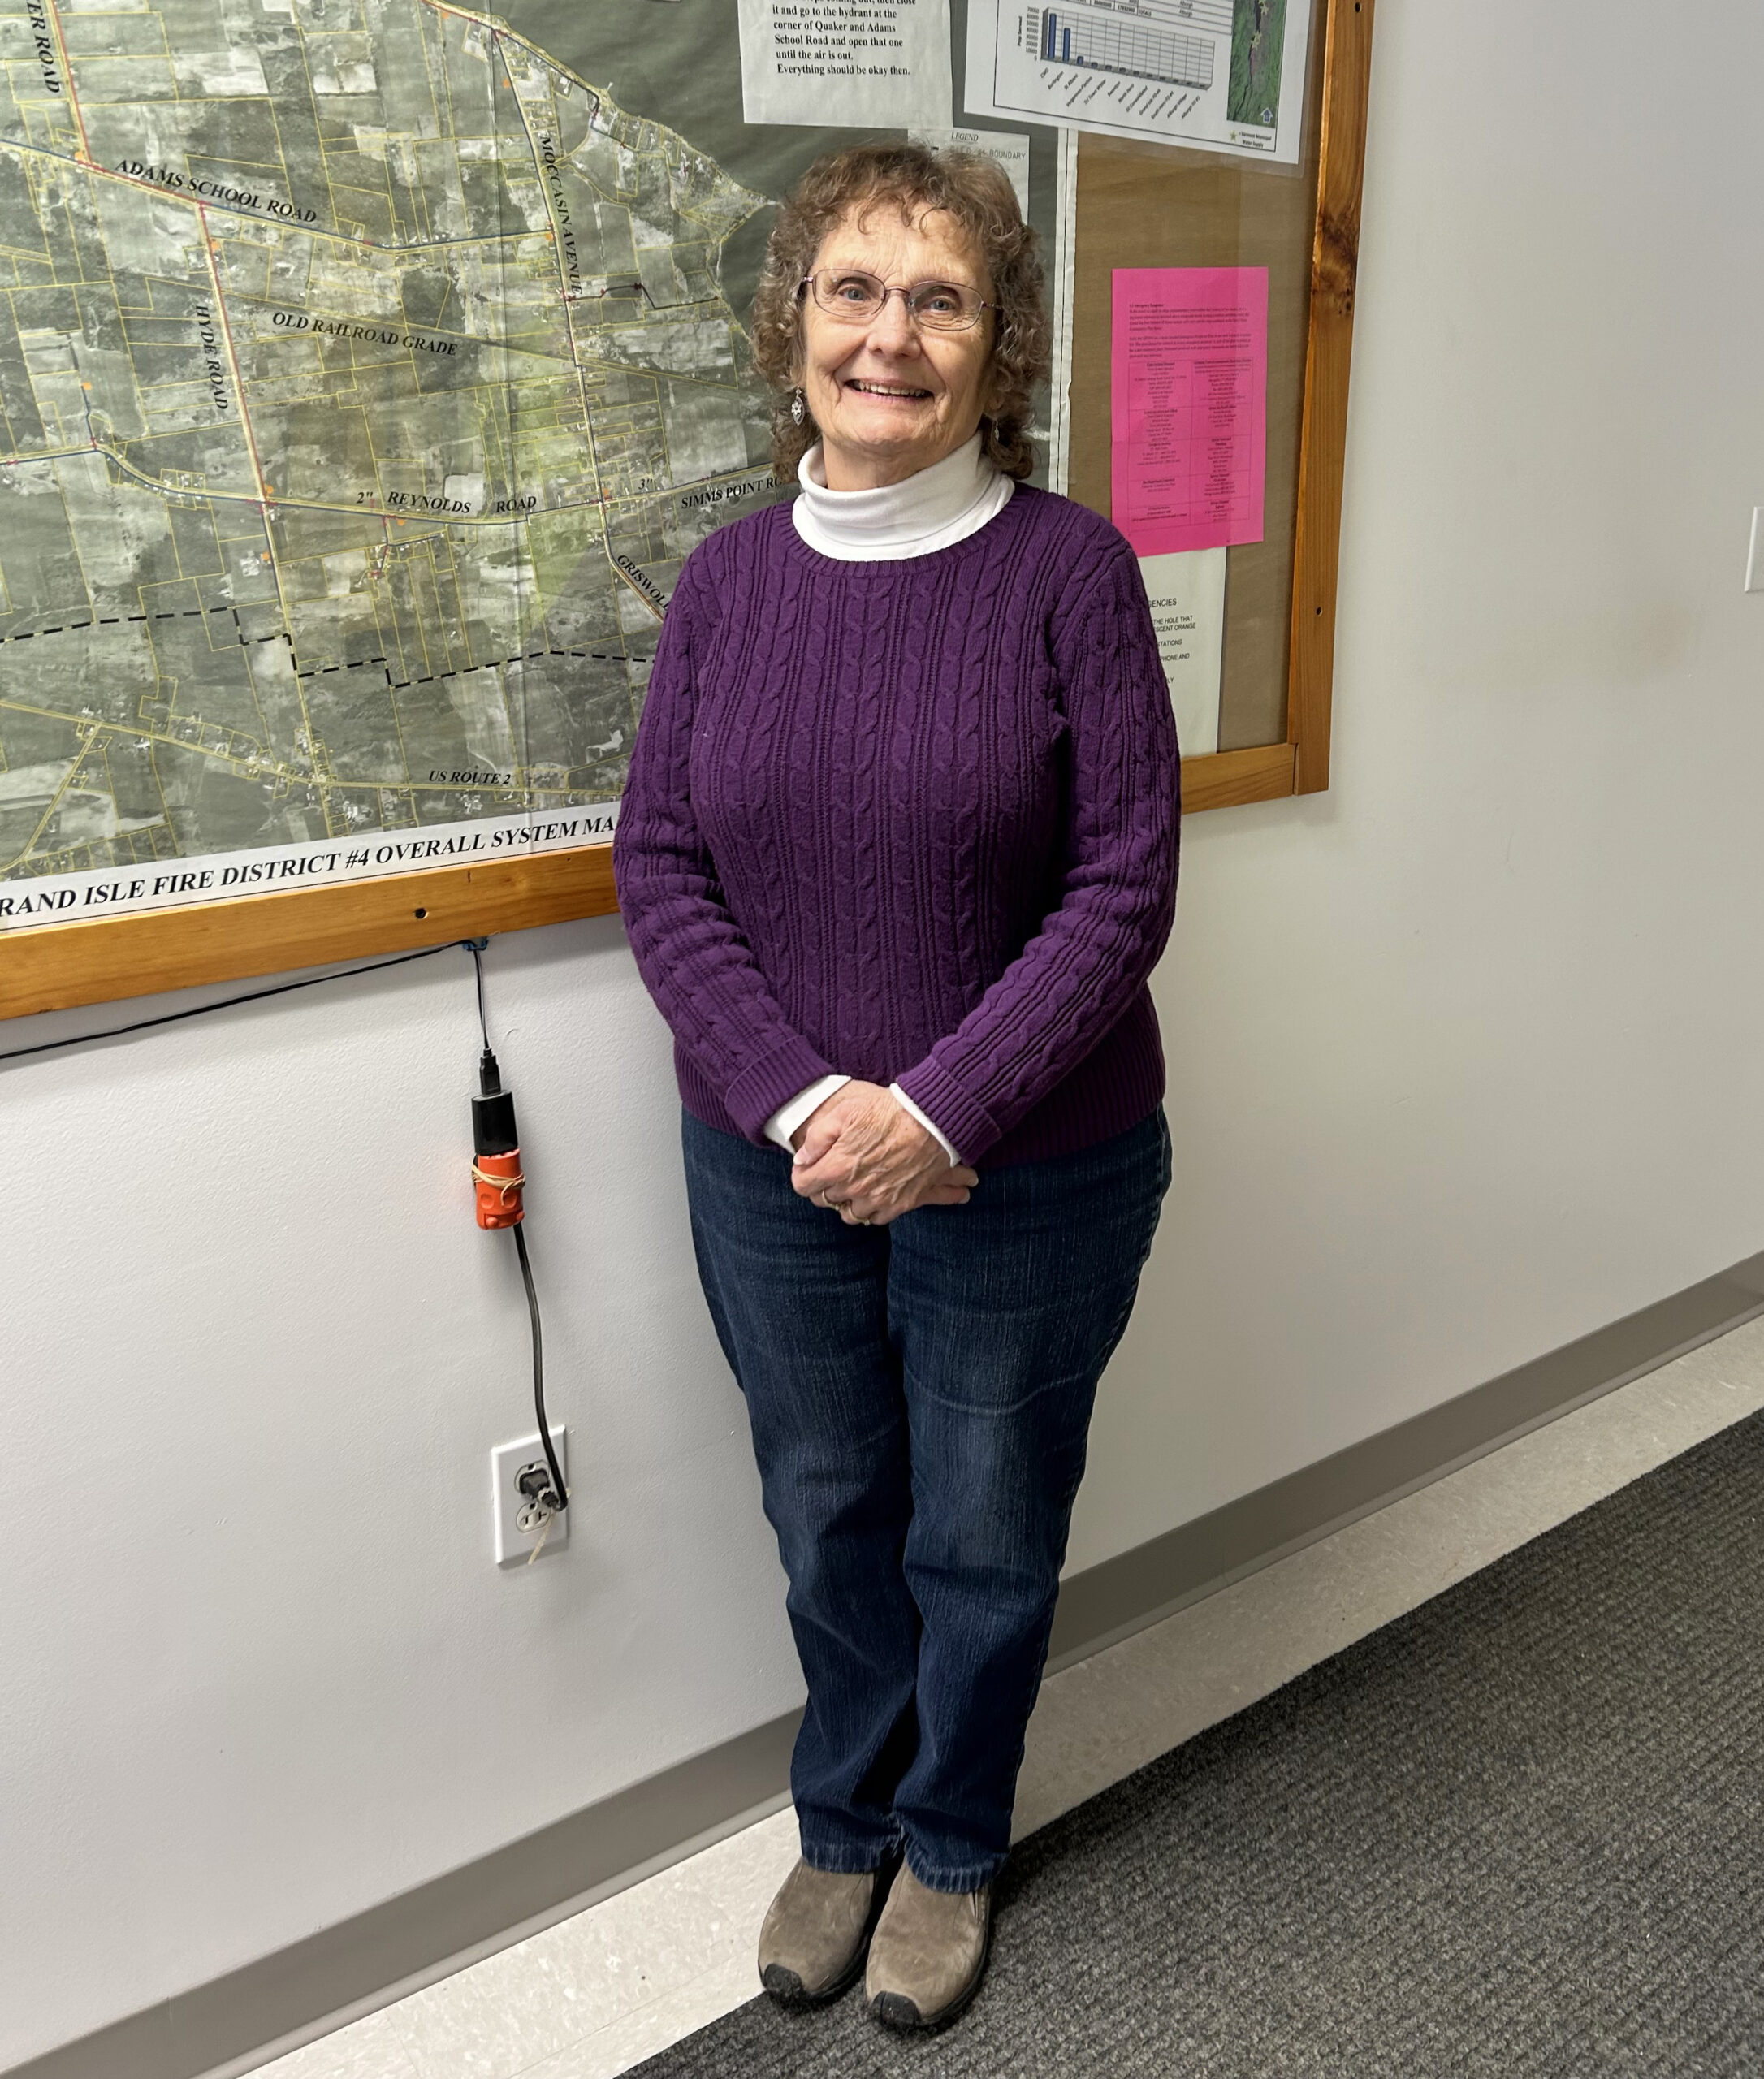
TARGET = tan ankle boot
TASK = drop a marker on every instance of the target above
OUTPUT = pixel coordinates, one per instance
(812, 1945)
(928, 1953)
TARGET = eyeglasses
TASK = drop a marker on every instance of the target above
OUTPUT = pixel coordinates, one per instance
(856, 299)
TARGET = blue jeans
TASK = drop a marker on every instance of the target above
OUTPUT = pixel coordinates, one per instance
(919, 1395)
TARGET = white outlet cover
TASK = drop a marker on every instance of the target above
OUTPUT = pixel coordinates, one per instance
(1754, 560)
(512, 1546)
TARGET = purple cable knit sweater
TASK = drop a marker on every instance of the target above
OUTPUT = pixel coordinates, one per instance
(911, 821)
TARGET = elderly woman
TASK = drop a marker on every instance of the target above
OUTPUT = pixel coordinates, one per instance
(897, 854)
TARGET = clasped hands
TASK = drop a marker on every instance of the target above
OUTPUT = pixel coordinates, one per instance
(866, 1158)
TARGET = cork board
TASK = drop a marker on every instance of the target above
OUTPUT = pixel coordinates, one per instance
(1141, 205)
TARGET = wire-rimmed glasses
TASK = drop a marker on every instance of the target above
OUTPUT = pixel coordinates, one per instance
(855, 298)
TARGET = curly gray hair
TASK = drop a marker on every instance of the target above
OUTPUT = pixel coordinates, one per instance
(913, 179)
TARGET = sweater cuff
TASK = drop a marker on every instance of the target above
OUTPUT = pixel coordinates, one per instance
(774, 1080)
(960, 1120)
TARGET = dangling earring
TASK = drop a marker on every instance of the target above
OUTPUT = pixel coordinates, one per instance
(798, 409)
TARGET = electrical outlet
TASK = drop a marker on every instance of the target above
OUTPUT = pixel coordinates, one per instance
(1754, 560)
(516, 1524)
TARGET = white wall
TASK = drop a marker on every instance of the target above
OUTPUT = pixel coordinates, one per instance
(1462, 1065)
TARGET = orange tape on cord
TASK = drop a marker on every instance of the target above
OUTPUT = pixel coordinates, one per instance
(498, 1179)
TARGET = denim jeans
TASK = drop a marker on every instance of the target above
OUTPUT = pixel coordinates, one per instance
(919, 1395)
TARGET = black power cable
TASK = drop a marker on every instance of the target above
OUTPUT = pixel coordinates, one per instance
(559, 1498)
(494, 1135)
(476, 948)
(473, 946)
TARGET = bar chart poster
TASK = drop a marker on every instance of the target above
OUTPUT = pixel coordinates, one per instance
(1188, 406)
(1228, 74)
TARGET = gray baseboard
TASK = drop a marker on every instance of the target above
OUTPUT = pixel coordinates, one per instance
(281, 2000)
(1121, 1595)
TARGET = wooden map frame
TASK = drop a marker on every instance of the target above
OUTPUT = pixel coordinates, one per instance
(53, 966)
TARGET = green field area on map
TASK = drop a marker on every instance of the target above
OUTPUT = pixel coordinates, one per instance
(1258, 38)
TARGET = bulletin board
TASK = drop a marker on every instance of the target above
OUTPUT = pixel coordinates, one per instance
(375, 585)
(1139, 206)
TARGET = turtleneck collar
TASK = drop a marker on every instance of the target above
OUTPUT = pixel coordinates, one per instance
(933, 509)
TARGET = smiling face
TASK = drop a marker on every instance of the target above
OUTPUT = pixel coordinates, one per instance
(890, 398)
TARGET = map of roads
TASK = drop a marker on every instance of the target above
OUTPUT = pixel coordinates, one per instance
(366, 375)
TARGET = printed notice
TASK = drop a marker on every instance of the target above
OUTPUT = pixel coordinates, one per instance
(1188, 406)
(867, 64)
(1227, 74)
(1187, 595)
(1010, 149)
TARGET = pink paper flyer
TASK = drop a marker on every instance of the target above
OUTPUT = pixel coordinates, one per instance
(1188, 406)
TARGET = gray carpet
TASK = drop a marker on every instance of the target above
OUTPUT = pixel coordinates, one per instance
(1516, 1832)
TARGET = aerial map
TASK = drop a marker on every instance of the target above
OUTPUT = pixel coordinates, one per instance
(368, 367)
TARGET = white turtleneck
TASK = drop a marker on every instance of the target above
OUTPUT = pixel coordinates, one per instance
(932, 509)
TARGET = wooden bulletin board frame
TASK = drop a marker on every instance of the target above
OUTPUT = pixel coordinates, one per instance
(55, 966)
